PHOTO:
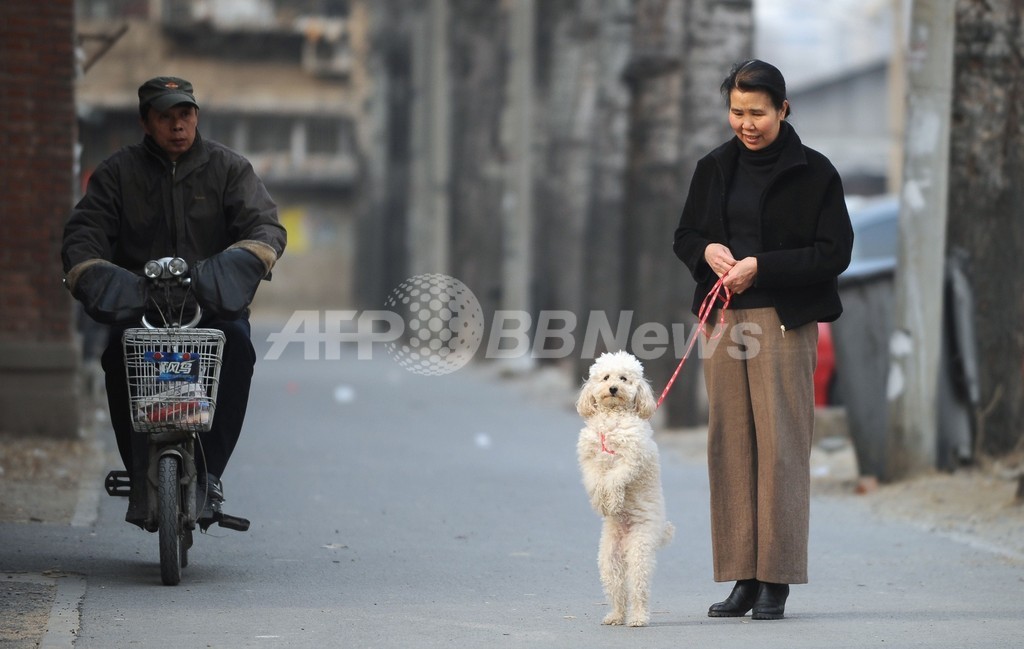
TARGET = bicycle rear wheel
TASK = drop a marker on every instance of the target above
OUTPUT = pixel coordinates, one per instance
(169, 516)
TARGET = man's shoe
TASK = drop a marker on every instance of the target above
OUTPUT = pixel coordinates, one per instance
(210, 498)
(138, 505)
(771, 602)
(739, 601)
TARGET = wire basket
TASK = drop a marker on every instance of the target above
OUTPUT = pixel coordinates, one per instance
(173, 375)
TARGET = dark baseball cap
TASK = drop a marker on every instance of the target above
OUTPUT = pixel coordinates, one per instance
(163, 92)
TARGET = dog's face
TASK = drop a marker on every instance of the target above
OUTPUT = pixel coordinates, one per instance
(616, 383)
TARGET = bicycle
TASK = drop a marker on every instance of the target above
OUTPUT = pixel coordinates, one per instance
(173, 375)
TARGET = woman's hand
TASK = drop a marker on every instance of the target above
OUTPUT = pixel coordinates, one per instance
(719, 258)
(742, 275)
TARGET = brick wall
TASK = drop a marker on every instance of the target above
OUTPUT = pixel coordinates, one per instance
(37, 135)
(38, 352)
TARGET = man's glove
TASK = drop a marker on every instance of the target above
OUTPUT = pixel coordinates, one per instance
(226, 283)
(108, 292)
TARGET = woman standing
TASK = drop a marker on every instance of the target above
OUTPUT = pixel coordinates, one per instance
(767, 215)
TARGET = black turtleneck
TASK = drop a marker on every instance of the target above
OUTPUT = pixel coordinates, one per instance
(743, 208)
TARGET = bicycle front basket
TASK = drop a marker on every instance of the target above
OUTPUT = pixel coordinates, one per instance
(173, 375)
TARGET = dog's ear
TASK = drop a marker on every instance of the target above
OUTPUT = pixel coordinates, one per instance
(646, 404)
(586, 405)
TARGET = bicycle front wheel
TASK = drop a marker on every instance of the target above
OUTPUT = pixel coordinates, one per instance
(169, 506)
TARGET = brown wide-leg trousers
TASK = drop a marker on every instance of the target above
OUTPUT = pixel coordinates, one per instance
(761, 421)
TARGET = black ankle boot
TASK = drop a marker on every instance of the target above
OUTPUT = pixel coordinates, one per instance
(771, 602)
(739, 601)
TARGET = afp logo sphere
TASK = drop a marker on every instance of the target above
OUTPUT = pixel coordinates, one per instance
(444, 324)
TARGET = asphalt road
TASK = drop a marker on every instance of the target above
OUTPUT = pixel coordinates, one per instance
(396, 510)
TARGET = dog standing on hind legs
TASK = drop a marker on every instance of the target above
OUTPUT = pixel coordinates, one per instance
(622, 475)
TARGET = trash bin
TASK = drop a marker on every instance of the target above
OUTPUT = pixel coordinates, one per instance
(861, 341)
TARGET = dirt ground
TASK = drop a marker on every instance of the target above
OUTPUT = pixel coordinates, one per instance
(40, 478)
(25, 608)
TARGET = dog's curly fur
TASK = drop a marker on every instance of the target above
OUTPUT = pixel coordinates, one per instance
(621, 473)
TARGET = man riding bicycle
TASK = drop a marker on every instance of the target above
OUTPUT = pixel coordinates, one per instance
(174, 194)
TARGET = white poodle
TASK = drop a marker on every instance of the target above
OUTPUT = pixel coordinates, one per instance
(622, 476)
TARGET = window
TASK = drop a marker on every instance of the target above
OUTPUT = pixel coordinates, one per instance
(323, 135)
(268, 134)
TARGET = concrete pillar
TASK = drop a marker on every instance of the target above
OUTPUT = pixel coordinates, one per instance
(916, 342)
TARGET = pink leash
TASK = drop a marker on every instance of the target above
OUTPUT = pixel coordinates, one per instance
(706, 307)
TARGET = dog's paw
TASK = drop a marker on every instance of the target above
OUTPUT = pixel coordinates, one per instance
(609, 502)
(615, 618)
(639, 621)
(613, 503)
(610, 511)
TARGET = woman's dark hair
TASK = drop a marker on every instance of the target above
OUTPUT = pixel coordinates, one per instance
(756, 75)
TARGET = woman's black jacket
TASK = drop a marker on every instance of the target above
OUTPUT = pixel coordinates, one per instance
(806, 234)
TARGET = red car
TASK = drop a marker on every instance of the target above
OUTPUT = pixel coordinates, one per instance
(825, 371)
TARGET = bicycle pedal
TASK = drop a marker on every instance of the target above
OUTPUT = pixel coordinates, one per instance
(118, 483)
(234, 523)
